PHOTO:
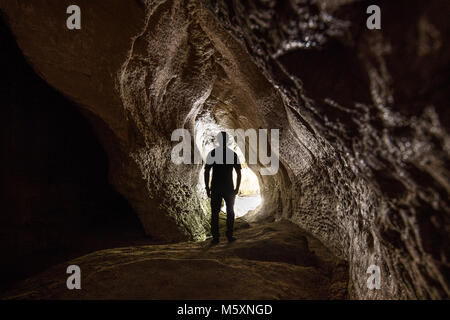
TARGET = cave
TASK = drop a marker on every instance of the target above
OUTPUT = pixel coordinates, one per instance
(362, 162)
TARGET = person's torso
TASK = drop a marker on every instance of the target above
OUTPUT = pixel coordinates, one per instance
(222, 175)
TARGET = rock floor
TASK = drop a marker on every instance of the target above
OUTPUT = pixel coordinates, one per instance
(268, 261)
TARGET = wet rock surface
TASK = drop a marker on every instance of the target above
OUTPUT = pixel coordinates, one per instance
(190, 270)
(364, 145)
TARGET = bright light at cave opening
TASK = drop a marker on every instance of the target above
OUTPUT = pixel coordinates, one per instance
(249, 197)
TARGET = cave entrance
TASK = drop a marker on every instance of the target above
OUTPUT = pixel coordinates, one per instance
(249, 196)
(249, 199)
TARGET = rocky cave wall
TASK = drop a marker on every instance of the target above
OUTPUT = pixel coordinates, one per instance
(56, 199)
(374, 103)
(363, 133)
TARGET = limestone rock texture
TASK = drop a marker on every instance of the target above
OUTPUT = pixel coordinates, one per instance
(364, 144)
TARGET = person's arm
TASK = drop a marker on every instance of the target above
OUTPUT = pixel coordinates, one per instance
(208, 167)
(238, 182)
(237, 167)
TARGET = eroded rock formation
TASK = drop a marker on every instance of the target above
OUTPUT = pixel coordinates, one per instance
(364, 144)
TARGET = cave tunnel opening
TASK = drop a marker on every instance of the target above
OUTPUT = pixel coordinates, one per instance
(249, 196)
(249, 200)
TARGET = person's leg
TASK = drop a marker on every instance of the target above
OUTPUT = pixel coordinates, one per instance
(229, 200)
(216, 201)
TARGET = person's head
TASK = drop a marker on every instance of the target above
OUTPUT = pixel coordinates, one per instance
(222, 139)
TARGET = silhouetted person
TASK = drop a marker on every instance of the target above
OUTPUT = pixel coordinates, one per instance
(222, 160)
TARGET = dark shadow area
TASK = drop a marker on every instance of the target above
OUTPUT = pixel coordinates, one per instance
(57, 203)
